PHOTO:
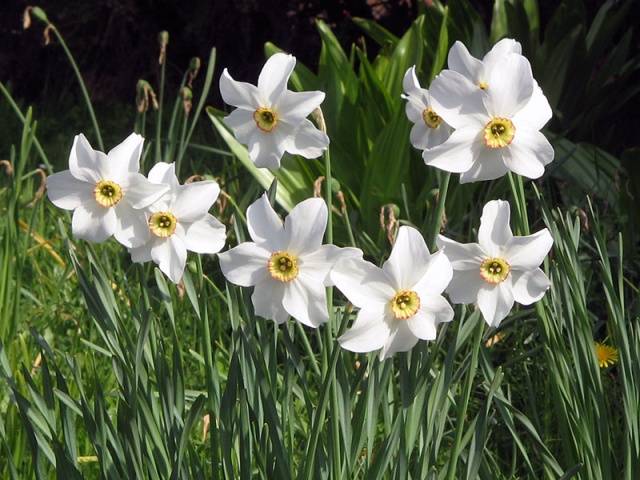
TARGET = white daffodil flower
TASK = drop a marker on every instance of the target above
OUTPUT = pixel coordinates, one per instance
(500, 268)
(428, 128)
(286, 263)
(105, 191)
(269, 118)
(497, 112)
(400, 302)
(179, 221)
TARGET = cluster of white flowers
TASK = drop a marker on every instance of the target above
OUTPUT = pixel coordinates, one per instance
(481, 119)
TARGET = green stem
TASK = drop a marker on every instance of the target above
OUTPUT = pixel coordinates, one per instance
(464, 404)
(517, 190)
(159, 121)
(83, 87)
(437, 219)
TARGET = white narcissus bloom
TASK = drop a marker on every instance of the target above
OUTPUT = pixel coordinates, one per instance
(269, 118)
(400, 302)
(497, 112)
(179, 221)
(500, 268)
(286, 263)
(428, 128)
(105, 191)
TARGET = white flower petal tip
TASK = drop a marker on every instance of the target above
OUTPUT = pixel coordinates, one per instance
(429, 130)
(286, 263)
(499, 105)
(104, 190)
(499, 270)
(399, 303)
(270, 119)
(177, 222)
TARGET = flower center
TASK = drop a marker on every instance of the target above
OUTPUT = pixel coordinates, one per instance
(499, 132)
(266, 119)
(163, 224)
(494, 270)
(431, 118)
(405, 304)
(107, 193)
(283, 266)
(483, 85)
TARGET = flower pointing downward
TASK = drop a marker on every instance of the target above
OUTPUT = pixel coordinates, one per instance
(500, 268)
(105, 192)
(269, 118)
(399, 303)
(286, 263)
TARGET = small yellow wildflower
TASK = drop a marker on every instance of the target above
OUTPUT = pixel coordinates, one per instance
(606, 354)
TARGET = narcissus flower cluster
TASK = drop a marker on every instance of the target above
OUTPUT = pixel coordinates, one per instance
(480, 118)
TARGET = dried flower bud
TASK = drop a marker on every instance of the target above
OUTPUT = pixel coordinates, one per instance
(36, 12)
(144, 96)
(187, 97)
(163, 40)
(194, 69)
(389, 221)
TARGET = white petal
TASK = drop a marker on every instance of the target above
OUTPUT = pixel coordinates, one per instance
(239, 94)
(457, 154)
(132, 229)
(422, 325)
(93, 222)
(67, 192)
(488, 165)
(245, 265)
(536, 113)
(85, 163)
(318, 264)
(457, 100)
(265, 226)
(170, 255)
(414, 109)
(464, 286)
(437, 136)
(510, 86)
(141, 254)
(266, 148)
(242, 123)
(419, 136)
(305, 225)
(306, 300)
(496, 55)
(461, 61)
(194, 200)
(164, 173)
(437, 307)
(463, 256)
(369, 332)
(529, 152)
(125, 157)
(409, 259)
(401, 339)
(140, 192)
(410, 83)
(207, 235)
(274, 76)
(495, 301)
(526, 253)
(530, 286)
(494, 232)
(267, 300)
(436, 277)
(294, 107)
(362, 283)
(307, 141)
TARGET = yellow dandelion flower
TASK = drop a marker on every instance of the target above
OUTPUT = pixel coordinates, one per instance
(606, 354)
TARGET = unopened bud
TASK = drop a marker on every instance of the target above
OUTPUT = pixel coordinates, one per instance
(163, 40)
(389, 214)
(187, 96)
(145, 96)
(36, 12)
(318, 117)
